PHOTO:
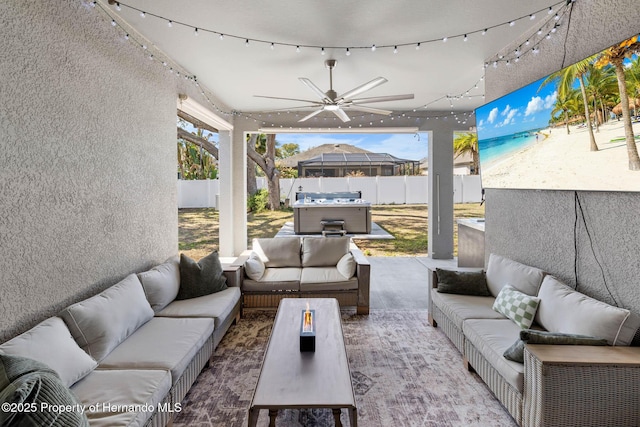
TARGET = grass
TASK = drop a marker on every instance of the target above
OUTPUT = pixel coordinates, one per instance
(198, 228)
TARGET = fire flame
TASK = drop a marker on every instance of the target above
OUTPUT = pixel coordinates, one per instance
(307, 325)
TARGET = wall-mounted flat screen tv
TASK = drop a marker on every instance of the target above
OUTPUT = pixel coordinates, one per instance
(538, 137)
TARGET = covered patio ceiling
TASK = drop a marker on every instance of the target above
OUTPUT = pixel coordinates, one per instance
(246, 48)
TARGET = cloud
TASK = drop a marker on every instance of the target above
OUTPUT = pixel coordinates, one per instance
(493, 114)
(481, 123)
(510, 119)
(537, 104)
(506, 110)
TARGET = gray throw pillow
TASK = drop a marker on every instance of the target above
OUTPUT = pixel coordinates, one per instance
(462, 282)
(200, 278)
(516, 351)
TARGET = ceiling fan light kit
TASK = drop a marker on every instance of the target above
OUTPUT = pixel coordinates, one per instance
(331, 101)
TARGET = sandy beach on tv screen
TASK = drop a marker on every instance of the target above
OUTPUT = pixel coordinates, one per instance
(564, 162)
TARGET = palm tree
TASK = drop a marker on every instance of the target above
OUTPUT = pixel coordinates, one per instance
(615, 56)
(567, 105)
(600, 83)
(564, 80)
(468, 143)
(632, 76)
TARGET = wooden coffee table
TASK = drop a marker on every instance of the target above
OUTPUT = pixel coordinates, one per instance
(290, 379)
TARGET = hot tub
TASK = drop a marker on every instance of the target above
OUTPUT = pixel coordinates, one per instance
(310, 210)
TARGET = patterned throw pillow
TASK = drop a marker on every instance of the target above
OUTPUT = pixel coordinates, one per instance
(519, 307)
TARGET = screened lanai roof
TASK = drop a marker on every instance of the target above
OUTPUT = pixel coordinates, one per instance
(338, 159)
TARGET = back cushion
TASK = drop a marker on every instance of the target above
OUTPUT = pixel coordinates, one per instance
(565, 310)
(51, 343)
(100, 323)
(161, 283)
(504, 271)
(278, 252)
(323, 251)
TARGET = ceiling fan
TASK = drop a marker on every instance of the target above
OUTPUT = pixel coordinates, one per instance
(331, 101)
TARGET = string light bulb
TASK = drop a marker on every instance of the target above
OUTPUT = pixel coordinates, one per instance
(297, 49)
(322, 52)
(113, 23)
(221, 36)
(118, 8)
(465, 38)
(418, 46)
(373, 48)
(195, 32)
(556, 17)
(444, 39)
(484, 31)
(550, 11)
(142, 14)
(395, 49)
(170, 24)
(273, 46)
(532, 16)
(246, 42)
(348, 52)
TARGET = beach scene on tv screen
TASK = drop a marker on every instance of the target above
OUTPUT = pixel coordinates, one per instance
(541, 136)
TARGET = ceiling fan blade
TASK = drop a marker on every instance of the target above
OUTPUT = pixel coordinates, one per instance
(307, 117)
(341, 115)
(314, 88)
(368, 109)
(289, 99)
(381, 99)
(363, 88)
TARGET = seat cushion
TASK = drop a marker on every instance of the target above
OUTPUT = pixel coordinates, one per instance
(51, 343)
(162, 283)
(325, 278)
(323, 251)
(107, 394)
(162, 343)
(218, 306)
(275, 279)
(504, 271)
(100, 323)
(565, 310)
(492, 337)
(459, 308)
(280, 252)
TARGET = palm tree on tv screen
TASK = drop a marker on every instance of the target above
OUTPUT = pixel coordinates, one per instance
(468, 143)
(564, 80)
(615, 56)
(568, 105)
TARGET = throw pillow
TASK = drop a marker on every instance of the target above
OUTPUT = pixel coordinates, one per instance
(161, 283)
(519, 307)
(254, 267)
(200, 278)
(516, 351)
(462, 282)
(347, 265)
(31, 384)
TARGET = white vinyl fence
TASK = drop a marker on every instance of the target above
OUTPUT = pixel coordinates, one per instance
(379, 190)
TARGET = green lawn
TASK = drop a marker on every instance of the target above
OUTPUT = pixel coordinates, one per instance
(198, 228)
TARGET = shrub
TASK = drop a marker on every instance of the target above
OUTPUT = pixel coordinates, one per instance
(258, 202)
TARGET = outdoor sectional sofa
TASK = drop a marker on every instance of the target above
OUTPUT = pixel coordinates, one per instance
(304, 267)
(557, 385)
(131, 353)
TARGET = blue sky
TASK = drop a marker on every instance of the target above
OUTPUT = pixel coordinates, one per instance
(405, 146)
(524, 109)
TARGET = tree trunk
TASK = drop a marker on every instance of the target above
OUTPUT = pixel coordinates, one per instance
(585, 103)
(252, 186)
(632, 150)
(273, 175)
(180, 165)
(566, 121)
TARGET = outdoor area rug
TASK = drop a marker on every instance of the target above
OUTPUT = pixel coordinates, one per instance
(404, 373)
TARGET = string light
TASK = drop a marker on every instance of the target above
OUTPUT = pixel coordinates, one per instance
(394, 46)
(221, 36)
(348, 52)
(322, 52)
(395, 49)
(195, 32)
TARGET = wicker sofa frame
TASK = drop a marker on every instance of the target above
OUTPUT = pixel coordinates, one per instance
(579, 386)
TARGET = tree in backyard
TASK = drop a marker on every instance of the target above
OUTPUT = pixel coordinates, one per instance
(287, 150)
(467, 142)
(266, 162)
(615, 56)
(197, 154)
(564, 80)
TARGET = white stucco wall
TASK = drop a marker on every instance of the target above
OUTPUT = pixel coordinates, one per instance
(87, 159)
(537, 227)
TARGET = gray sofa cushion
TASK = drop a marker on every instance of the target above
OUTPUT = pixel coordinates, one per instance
(218, 306)
(122, 388)
(275, 279)
(504, 271)
(492, 338)
(323, 251)
(162, 283)
(100, 323)
(459, 308)
(280, 252)
(565, 310)
(325, 279)
(162, 343)
(51, 343)
(200, 278)
(462, 282)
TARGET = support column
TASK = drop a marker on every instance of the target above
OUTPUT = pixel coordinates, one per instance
(233, 192)
(441, 194)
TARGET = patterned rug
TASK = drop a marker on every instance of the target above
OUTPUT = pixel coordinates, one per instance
(404, 372)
